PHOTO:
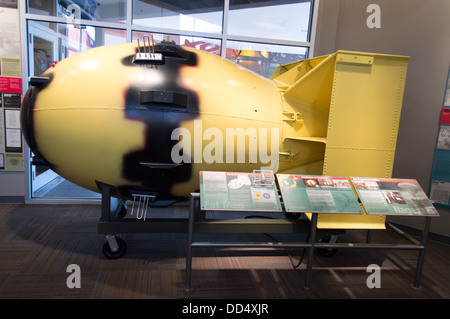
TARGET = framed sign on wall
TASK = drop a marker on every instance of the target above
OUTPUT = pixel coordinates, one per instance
(440, 175)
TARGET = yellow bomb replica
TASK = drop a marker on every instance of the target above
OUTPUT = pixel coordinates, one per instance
(149, 121)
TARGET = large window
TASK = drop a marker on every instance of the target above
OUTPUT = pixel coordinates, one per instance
(263, 58)
(98, 10)
(270, 19)
(199, 16)
(210, 45)
(258, 35)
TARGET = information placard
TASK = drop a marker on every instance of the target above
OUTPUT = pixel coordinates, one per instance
(439, 191)
(318, 194)
(235, 191)
(389, 196)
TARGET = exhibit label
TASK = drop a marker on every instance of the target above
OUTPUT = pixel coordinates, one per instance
(238, 191)
(318, 194)
(401, 197)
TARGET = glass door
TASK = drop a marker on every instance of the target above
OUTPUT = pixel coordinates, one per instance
(49, 42)
(42, 51)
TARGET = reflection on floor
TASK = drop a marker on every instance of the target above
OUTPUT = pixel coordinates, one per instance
(62, 188)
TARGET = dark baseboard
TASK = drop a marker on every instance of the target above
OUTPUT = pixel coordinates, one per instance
(12, 199)
(418, 234)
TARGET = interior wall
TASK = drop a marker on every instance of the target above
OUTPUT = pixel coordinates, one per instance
(12, 187)
(416, 28)
(12, 183)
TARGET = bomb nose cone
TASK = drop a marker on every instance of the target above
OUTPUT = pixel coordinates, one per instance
(26, 118)
(26, 114)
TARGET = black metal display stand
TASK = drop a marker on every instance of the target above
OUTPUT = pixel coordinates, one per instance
(112, 224)
(311, 244)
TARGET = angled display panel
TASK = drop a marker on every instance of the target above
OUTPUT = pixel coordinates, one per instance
(238, 191)
(400, 197)
(318, 194)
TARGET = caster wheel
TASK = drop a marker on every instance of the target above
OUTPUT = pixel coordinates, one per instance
(326, 252)
(292, 215)
(121, 249)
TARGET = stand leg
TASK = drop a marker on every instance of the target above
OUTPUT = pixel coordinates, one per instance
(312, 240)
(369, 236)
(421, 258)
(187, 285)
(106, 202)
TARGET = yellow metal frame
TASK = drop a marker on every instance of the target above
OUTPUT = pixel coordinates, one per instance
(349, 104)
